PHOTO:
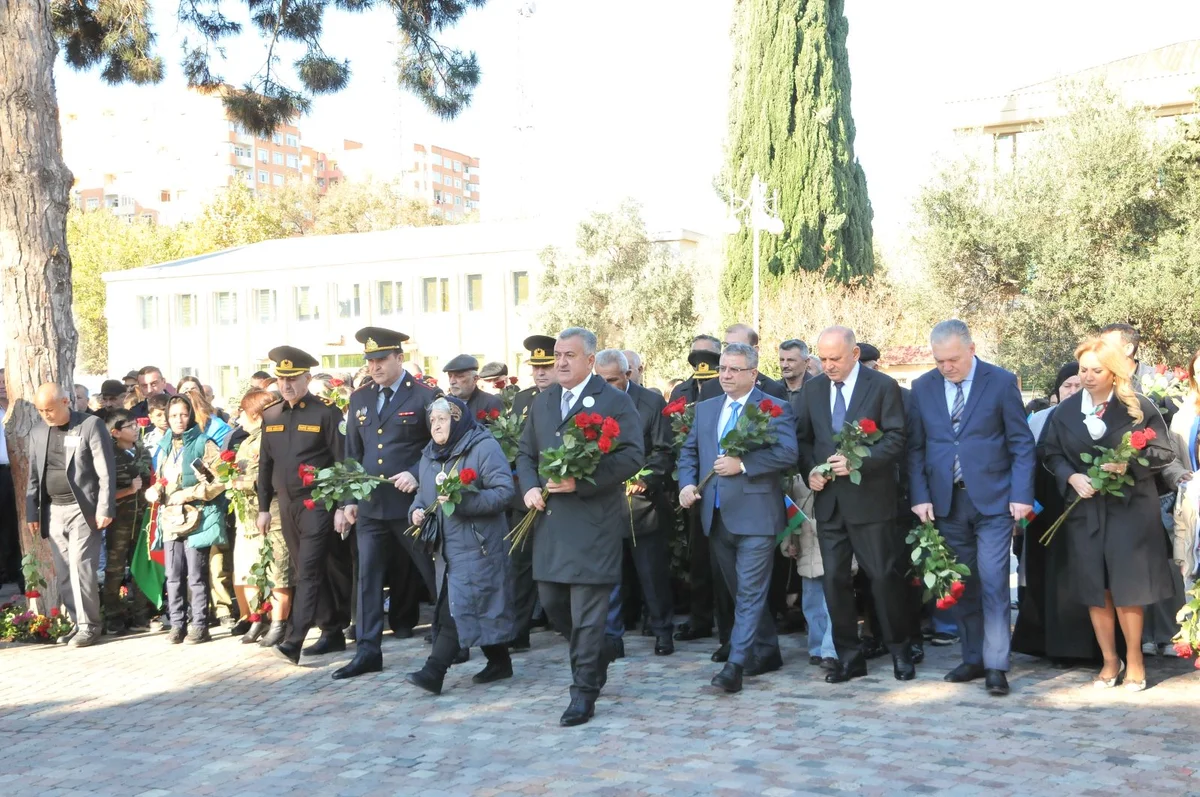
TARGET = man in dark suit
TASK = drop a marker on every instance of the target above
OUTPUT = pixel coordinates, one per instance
(69, 499)
(541, 370)
(463, 375)
(386, 429)
(970, 469)
(647, 503)
(741, 509)
(856, 520)
(745, 335)
(577, 539)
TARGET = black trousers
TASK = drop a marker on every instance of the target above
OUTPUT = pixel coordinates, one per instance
(10, 534)
(321, 558)
(651, 561)
(382, 544)
(876, 546)
(579, 611)
(445, 646)
(525, 588)
(710, 597)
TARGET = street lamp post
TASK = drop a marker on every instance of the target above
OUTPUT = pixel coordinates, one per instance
(761, 219)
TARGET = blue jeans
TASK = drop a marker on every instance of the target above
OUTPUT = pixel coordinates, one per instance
(816, 614)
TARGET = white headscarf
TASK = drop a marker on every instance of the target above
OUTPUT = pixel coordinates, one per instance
(1094, 423)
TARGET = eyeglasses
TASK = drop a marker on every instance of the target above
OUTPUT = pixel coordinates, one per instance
(732, 369)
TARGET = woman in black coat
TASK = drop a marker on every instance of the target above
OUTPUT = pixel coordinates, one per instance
(1117, 550)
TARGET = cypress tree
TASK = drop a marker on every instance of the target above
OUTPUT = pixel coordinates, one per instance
(790, 123)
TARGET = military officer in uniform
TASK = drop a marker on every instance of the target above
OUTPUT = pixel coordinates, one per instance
(386, 429)
(302, 429)
(541, 366)
(463, 373)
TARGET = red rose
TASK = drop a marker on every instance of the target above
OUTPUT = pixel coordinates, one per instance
(1183, 650)
(467, 475)
(228, 456)
(499, 384)
(494, 414)
(941, 603)
(33, 593)
(776, 410)
(307, 478)
(143, 422)
(1137, 440)
(957, 588)
(266, 607)
(590, 434)
(675, 407)
(309, 503)
(1160, 369)
(54, 612)
(610, 428)
(868, 426)
(605, 445)
(336, 382)
(481, 415)
(512, 380)
(1150, 434)
(307, 470)
(765, 405)
(582, 420)
(255, 617)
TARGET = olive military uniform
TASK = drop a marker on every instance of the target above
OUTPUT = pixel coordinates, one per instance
(119, 539)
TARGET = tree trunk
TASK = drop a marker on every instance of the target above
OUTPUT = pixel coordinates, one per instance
(35, 185)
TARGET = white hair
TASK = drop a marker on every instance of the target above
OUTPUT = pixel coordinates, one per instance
(951, 328)
(742, 350)
(612, 357)
(587, 336)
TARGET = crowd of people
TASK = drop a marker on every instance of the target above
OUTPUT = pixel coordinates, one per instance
(227, 501)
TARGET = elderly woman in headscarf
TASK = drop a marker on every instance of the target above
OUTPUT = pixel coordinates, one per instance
(474, 572)
(1050, 622)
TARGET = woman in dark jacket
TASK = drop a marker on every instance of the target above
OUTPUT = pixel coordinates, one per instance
(475, 596)
(1117, 550)
(1050, 621)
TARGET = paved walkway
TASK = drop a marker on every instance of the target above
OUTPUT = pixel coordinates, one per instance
(135, 716)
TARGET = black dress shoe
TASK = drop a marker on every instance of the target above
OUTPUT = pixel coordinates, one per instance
(288, 651)
(402, 633)
(351, 633)
(616, 647)
(965, 672)
(729, 678)
(917, 651)
(829, 664)
(463, 656)
(996, 683)
(274, 635)
(903, 667)
(494, 671)
(664, 646)
(855, 667)
(578, 712)
(687, 633)
(872, 648)
(361, 664)
(722, 654)
(426, 679)
(814, 661)
(520, 644)
(240, 628)
(330, 642)
(757, 666)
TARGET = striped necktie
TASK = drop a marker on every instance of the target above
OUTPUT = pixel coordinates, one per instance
(956, 412)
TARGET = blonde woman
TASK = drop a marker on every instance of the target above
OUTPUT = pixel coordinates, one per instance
(1117, 550)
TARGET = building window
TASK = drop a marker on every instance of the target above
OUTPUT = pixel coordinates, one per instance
(306, 306)
(277, 158)
(225, 308)
(293, 162)
(435, 159)
(292, 141)
(391, 298)
(458, 184)
(227, 382)
(93, 203)
(429, 365)
(263, 177)
(264, 306)
(264, 156)
(437, 196)
(277, 179)
(458, 166)
(437, 178)
(348, 301)
(457, 199)
(277, 138)
(186, 306)
(474, 292)
(520, 288)
(436, 295)
(147, 309)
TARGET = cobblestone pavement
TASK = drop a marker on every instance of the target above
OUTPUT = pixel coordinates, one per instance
(135, 716)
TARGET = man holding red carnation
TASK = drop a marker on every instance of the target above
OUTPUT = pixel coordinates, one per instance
(577, 539)
(856, 520)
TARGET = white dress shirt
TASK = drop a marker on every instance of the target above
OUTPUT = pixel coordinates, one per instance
(395, 386)
(576, 392)
(952, 388)
(847, 387)
(726, 410)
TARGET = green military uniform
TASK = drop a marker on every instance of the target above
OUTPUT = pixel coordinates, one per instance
(119, 539)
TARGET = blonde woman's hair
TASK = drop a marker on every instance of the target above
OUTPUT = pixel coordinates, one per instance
(1192, 383)
(1114, 361)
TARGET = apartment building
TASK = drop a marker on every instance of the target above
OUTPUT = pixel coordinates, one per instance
(447, 179)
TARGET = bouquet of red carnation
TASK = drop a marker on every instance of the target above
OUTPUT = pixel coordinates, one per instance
(683, 416)
(935, 567)
(334, 393)
(751, 432)
(585, 441)
(341, 482)
(1106, 482)
(228, 470)
(852, 444)
(507, 389)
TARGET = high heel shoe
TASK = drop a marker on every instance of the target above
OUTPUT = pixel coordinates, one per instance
(1135, 686)
(1109, 683)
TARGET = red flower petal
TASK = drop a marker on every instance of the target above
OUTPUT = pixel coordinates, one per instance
(868, 426)
(1137, 439)
(605, 445)
(310, 504)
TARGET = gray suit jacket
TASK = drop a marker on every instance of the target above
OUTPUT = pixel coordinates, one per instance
(578, 538)
(751, 502)
(91, 471)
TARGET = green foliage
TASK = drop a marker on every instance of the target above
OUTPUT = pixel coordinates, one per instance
(1096, 223)
(790, 123)
(645, 296)
(344, 482)
(934, 564)
(116, 35)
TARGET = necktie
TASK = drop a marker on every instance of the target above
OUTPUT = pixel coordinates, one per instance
(839, 408)
(956, 412)
(387, 396)
(566, 404)
(734, 408)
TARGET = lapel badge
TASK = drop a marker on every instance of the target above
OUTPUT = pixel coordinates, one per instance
(589, 402)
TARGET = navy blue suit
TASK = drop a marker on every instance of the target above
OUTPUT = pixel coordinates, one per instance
(996, 454)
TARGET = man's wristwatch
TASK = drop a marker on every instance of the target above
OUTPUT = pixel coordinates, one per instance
(743, 464)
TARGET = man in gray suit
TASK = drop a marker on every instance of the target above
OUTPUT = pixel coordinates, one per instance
(741, 508)
(71, 496)
(577, 539)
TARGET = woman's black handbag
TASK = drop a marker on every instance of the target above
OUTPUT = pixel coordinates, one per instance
(431, 531)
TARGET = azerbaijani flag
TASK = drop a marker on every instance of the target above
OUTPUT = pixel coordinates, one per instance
(1033, 513)
(795, 518)
(149, 564)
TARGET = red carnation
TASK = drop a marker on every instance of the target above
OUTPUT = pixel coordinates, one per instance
(481, 415)
(266, 607)
(868, 426)
(336, 382)
(1183, 650)
(494, 414)
(467, 475)
(590, 434)
(957, 588)
(596, 419)
(143, 422)
(582, 420)
(255, 617)
(33, 593)
(54, 612)
(309, 503)
(1138, 440)
(1150, 434)
(610, 428)
(605, 445)
(228, 456)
